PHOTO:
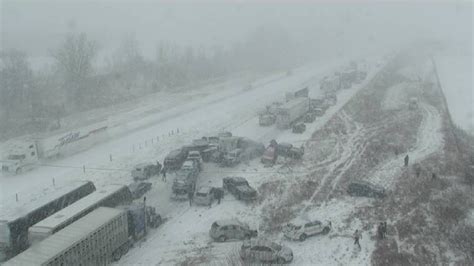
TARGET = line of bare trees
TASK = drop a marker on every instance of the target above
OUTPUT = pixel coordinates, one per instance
(36, 101)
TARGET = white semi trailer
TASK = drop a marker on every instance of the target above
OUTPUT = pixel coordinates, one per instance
(24, 153)
(291, 111)
(96, 239)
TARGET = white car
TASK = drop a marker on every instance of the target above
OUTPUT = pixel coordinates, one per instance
(204, 196)
(261, 250)
(302, 231)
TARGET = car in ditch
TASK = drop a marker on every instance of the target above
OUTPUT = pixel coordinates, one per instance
(240, 188)
(139, 189)
(233, 229)
(365, 189)
(265, 251)
(301, 231)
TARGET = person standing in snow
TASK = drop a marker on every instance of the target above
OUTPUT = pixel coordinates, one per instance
(163, 172)
(406, 160)
(190, 196)
(380, 230)
(357, 236)
(417, 170)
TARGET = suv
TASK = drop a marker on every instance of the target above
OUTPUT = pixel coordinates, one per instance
(190, 166)
(299, 128)
(204, 196)
(240, 188)
(365, 189)
(195, 156)
(224, 230)
(302, 231)
(144, 171)
(261, 250)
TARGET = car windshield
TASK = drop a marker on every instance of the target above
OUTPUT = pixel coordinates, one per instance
(269, 113)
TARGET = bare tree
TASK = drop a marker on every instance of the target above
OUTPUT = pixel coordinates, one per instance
(74, 60)
(16, 84)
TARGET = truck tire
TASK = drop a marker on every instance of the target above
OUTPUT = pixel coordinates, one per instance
(326, 230)
(222, 238)
(18, 171)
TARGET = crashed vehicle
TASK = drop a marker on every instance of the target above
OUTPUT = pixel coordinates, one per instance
(224, 230)
(145, 170)
(240, 188)
(264, 251)
(175, 159)
(302, 231)
(266, 119)
(299, 128)
(231, 158)
(204, 196)
(365, 189)
(195, 156)
(183, 184)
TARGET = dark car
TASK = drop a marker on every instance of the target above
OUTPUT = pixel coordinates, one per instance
(299, 128)
(365, 189)
(240, 188)
(139, 189)
(145, 170)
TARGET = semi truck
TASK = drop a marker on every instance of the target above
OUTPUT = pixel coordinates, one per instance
(98, 238)
(108, 196)
(18, 215)
(25, 153)
(291, 111)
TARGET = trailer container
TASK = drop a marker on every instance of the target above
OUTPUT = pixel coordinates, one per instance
(17, 217)
(108, 196)
(96, 239)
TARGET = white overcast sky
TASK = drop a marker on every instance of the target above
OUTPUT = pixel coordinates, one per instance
(39, 26)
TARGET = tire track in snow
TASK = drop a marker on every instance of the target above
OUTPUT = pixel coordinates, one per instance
(428, 141)
(351, 146)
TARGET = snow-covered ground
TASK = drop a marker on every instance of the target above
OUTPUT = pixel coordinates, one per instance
(456, 76)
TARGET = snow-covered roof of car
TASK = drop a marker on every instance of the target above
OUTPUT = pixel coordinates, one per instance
(204, 189)
(230, 222)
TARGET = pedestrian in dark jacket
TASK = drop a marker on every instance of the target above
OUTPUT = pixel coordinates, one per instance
(357, 236)
(190, 196)
(163, 172)
(218, 193)
(406, 160)
(380, 230)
